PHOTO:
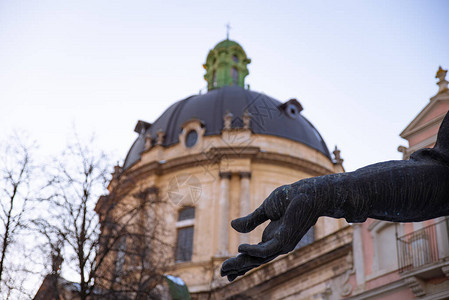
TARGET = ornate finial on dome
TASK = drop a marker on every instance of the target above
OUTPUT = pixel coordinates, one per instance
(227, 118)
(338, 159)
(147, 141)
(404, 151)
(443, 83)
(246, 120)
(228, 28)
(225, 65)
(117, 171)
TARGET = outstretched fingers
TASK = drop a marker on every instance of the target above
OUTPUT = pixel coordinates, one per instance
(238, 273)
(251, 221)
(262, 250)
(242, 263)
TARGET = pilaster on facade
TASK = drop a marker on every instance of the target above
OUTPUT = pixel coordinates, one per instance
(346, 287)
(224, 206)
(223, 220)
(245, 205)
(442, 236)
(357, 244)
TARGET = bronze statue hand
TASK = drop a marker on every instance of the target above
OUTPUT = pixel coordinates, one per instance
(291, 215)
(400, 191)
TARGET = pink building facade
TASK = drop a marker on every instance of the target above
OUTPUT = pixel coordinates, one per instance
(406, 260)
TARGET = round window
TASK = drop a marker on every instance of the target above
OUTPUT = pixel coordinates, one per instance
(292, 111)
(191, 138)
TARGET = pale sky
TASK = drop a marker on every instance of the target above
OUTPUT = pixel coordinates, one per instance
(361, 69)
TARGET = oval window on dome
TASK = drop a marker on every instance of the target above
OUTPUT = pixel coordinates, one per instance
(191, 138)
(292, 111)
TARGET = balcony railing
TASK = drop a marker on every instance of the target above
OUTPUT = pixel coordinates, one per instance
(423, 247)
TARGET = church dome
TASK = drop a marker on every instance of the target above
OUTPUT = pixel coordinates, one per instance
(268, 116)
(212, 157)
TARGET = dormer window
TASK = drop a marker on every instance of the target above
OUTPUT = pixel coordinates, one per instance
(191, 133)
(292, 108)
(235, 58)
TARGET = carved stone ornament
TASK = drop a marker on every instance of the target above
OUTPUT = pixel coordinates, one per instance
(227, 120)
(443, 83)
(416, 285)
(404, 151)
(246, 120)
(338, 159)
(117, 171)
(160, 137)
(147, 141)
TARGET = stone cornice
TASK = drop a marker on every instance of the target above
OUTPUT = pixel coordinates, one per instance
(410, 129)
(325, 250)
(377, 292)
(289, 161)
(215, 155)
(423, 144)
(422, 127)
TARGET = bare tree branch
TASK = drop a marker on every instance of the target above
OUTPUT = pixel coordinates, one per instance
(16, 175)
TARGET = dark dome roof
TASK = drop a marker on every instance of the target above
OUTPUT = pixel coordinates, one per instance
(268, 116)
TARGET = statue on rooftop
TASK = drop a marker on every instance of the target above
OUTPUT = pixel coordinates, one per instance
(400, 191)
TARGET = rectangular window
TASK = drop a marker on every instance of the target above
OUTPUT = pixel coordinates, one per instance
(186, 213)
(184, 244)
(120, 259)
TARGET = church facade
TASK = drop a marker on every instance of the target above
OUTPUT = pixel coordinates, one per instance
(215, 157)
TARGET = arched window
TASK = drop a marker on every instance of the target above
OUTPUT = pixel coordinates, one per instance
(235, 76)
(235, 58)
(184, 241)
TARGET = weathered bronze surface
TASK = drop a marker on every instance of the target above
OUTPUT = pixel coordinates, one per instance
(400, 191)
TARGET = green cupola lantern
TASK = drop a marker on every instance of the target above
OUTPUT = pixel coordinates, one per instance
(226, 65)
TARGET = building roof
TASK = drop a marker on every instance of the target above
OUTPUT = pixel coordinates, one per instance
(268, 116)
